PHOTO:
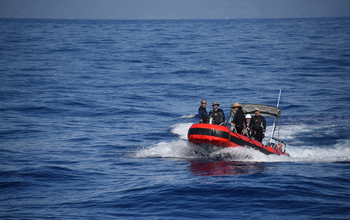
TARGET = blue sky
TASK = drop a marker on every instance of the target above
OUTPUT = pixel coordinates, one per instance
(173, 9)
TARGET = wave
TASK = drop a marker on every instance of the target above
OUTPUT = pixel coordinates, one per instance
(188, 116)
(299, 152)
(338, 153)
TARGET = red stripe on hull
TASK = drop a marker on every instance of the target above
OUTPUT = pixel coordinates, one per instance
(201, 139)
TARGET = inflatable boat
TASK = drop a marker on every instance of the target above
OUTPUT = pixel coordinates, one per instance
(212, 137)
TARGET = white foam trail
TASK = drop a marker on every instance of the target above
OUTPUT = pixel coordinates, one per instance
(174, 149)
(338, 153)
(188, 116)
(181, 130)
(181, 148)
(286, 132)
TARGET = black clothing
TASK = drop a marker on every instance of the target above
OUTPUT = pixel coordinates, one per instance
(218, 116)
(258, 124)
(239, 130)
(239, 120)
(203, 114)
(258, 135)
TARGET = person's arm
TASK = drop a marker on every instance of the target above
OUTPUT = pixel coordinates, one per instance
(251, 123)
(264, 123)
(200, 114)
(233, 120)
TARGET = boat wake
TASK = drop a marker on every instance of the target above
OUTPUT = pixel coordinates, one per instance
(299, 151)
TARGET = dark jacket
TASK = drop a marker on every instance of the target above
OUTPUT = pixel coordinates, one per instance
(258, 123)
(218, 116)
(239, 119)
(203, 114)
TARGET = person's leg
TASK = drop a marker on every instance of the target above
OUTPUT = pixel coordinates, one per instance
(259, 135)
(239, 130)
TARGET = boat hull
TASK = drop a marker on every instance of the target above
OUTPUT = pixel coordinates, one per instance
(222, 137)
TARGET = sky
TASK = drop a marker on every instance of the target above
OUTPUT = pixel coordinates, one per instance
(173, 9)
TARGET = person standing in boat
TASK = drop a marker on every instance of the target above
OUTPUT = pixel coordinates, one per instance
(202, 112)
(246, 129)
(239, 119)
(217, 114)
(258, 125)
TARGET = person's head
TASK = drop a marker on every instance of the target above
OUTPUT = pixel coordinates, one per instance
(236, 106)
(257, 111)
(248, 117)
(215, 105)
(204, 103)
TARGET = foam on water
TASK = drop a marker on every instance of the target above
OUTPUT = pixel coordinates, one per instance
(299, 152)
(181, 130)
(188, 116)
(175, 149)
(338, 153)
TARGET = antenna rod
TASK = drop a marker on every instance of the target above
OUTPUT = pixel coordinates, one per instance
(274, 124)
(279, 97)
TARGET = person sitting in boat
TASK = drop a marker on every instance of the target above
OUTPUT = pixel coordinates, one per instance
(202, 112)
(246, 129)
(217, 115)
(239, 120)
(258, 125)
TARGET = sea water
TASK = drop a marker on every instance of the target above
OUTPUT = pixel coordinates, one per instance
(94, 117)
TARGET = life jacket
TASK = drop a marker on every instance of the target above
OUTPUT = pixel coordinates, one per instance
(257, 123)
(217, 117)
(279, 147)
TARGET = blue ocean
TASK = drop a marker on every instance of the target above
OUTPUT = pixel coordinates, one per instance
(94, 116)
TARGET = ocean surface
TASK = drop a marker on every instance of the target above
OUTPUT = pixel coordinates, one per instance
(94, 117)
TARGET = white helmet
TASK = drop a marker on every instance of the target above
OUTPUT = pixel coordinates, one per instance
(248, 116)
